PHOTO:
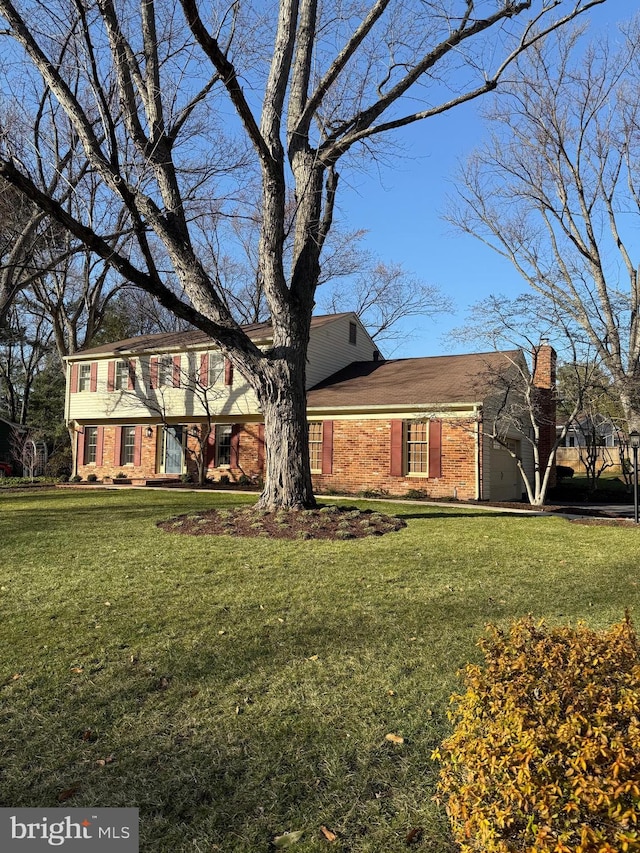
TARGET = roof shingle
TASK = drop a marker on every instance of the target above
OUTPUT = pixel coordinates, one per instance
(411, 381)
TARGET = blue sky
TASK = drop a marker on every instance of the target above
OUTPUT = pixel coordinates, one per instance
(401, 208)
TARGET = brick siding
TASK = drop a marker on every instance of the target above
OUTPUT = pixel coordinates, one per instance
(361, 460)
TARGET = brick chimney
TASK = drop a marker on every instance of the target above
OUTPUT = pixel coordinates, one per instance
(544, 381)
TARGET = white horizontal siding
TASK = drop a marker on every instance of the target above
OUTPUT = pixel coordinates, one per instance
(330, 350)
(167, 402)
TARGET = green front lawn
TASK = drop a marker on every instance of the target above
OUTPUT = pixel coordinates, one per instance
(239, 689)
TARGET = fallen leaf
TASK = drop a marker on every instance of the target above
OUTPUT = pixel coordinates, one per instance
(394, 738)
(330, 836)
(77, 669)
(16, 676)
(414, 836)
(68, 793)
(101, 762)
(314, 657)
(164, 683)
(281, 842)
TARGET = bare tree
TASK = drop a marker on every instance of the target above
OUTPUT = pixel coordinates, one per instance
(25, 342)
(523, 401)
(151, 112)
(553, 190)
(600, 415)
(384, 294)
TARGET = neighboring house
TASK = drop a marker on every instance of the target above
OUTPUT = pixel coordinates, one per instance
(373, 424)
(592, 434)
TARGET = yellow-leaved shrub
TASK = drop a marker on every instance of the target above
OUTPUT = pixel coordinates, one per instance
(545, 754)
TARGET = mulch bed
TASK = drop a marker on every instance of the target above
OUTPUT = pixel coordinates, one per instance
(326, 522)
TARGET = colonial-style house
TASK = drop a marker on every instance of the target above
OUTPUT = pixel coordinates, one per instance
(139, 406)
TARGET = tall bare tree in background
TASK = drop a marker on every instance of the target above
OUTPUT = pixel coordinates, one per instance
(177, 110)
(519, 327)
(557, 192)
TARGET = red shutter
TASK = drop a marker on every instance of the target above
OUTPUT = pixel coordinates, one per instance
(111, 376)
(153, 373)
(80, 448)
(210, 449)
(93, 382)
(177, 361)
(327, 447)
(100, 446)
(228, 372)
(117, 446)
(74, 378)
(235, 446)
(137, 447)
(204, 370)
(131, 380)
(435, 448)
(260, 447)
(397, 449)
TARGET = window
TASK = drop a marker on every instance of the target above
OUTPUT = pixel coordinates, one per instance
(84, 377)
(216, 368)
(353, 333)
(223, 445)
(165, 372)
(90, 444)
(418, 447)
(127, 451)
(315, 445)
(121, 378)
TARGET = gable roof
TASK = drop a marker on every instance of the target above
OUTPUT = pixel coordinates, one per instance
(412, 381)
(188, 339)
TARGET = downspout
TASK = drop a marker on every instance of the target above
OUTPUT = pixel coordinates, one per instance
(479, 472)
(73, 435)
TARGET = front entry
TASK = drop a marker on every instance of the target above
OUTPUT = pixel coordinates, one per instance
(172, 455)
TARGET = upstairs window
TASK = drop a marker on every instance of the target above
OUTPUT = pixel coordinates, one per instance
(121, 377)
(165, 372)
(84, 377)
(353, 333)
(216, 369)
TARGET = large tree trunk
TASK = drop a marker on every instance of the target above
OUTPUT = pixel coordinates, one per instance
(282, 398)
